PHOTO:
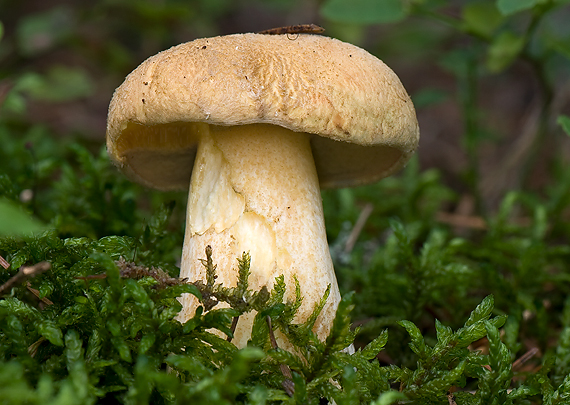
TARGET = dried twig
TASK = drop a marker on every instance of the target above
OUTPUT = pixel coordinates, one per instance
(24, 273)
(462, 221)
(233, 328)
(514, 165)
(524, 358)
(288, 384)
(45, 300)
(294, 29)
(131, 270)
(474, 222)
(357, 229)
(33, 348)
(4, 263)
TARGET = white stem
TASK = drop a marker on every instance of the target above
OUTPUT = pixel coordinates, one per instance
(254, 188)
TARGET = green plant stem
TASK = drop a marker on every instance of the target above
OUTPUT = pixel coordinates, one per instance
(288, 384)
(469, 97)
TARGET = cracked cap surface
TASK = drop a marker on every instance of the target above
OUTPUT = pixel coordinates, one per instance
(361, 121)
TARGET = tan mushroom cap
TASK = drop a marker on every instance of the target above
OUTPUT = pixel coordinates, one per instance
(362, 121)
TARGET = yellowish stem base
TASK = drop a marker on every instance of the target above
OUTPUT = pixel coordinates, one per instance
(254, 188)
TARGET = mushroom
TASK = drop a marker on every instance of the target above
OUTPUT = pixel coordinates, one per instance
(253, 124)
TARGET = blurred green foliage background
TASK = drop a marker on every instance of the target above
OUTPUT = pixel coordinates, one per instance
(484, 207)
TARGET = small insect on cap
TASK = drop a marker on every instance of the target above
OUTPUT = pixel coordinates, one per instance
(362, 122)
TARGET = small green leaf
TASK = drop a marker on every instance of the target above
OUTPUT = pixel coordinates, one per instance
(122, 348)
(474, 332)
(562, 393)
(221, 319)
(115, 246)
(51, 332)
(364, 11)
(139, 294)
(443, 383)
(178, 290)
(522, 392)
(114, 327)
(300, 395)
(78, 376)
(482, 18)
(94, 345)
(73, 347)
(251, 354)
(495, 383)
(564, 122)
(504, 50)
(273, 311)
(318, 308)
(195, 321)
(482, 312)
(374, 347)
(507, 7)
(146, 343)
(259, 331)
(284, 357)
(190, 364)
(444, 333)
(417, 344)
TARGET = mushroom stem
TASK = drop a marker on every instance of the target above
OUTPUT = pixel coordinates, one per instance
(254, 188)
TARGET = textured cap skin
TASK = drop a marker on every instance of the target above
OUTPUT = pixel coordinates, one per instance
(364, 119)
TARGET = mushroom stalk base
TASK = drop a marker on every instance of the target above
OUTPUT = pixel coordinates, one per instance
(255, 189)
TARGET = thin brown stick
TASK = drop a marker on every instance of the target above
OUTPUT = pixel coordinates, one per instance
(24, 273)
(233, 328)
(525, 357)
(45, 300)
(288, 384)
(271, 335)
(33, 348)
(511, 171)
(473, 222)
(4, 263)
(461, 221)
(294, 29)
(358, 227)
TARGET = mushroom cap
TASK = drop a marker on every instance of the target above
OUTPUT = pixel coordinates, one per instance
(361, 121)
